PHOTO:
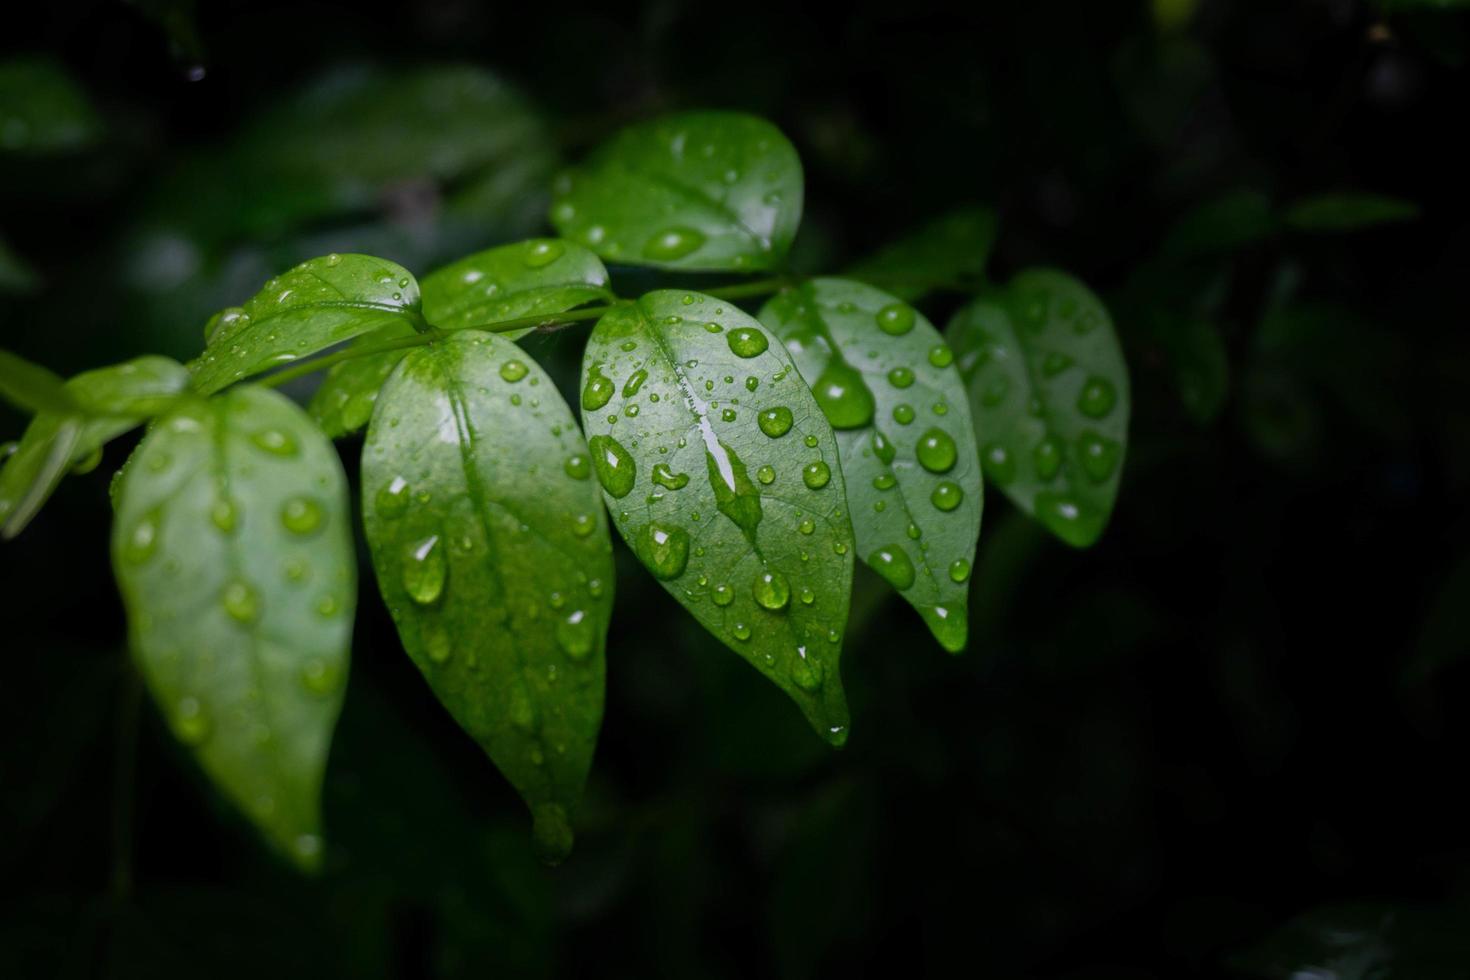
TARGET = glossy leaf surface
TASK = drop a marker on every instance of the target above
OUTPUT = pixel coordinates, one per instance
(117, 397)
(320, 302)
(493, 554)
(699, 190)
(233, 550)
(887, 382)
(722, 475)
(540, 276)
(31, 387)
(1049, 395)
(952, 249)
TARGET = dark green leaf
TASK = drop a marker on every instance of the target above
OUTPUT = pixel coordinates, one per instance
(1223, 224)
(541, 276)
(952, 249)
(234, 554)
(42, 109)
(701, 190)
(495, 561)
(886, 381)
(31, 387)
(1198, 361)
(1050, 395)
(746, 525)
(320, 302)
(16, 274)
(118, 397)
(1349, 212)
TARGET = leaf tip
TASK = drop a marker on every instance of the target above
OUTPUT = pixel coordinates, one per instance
(551, 833)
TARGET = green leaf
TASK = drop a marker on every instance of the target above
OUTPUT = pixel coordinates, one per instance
(744, 523)
(16, 274)
(886, 382)
(1226, 223)
(1198, 361)
(952, 249)
(31, 387)
(234, 554)
(1050, 396)
(1349, 212)
(708, 191)
(43, 109)
(540, 276)
(118, 398)
(495, 561)
(320, 302)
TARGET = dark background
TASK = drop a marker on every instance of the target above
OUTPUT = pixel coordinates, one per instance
(1228, 740)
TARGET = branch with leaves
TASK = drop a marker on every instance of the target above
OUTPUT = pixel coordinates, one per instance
(747, 460)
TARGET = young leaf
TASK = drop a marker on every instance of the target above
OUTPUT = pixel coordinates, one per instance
(722, 475)
(495, 561)
(234, 554)
(701, 190)
(1049, 393)
(952, 248)
(115, 399)
(887, 384)
(320, 302)
(30, 387)
(540, 276)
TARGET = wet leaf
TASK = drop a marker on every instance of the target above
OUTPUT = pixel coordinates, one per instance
(952, 249)
(31, 387)
(118, 398)
(887, 383)
(320, 302)
(234, 554)
(700, 190)
(493, 555)
(722, 475)
(1050, 398)
(540, 276)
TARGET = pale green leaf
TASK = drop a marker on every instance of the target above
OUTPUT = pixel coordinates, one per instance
(1049, 395)
(745, 524)
(540, 276)
(320, 302)
(492, 552)
(117, 398)
(233, 550)
(699, 190)
(31, 387)
(887, 383)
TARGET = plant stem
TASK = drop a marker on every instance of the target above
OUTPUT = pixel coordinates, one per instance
(422, 336)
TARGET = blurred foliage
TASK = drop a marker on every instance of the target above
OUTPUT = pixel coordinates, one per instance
(1225, 741)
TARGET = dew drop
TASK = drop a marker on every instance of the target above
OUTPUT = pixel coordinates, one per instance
(575, 635)
(240, 601)
(598, 391)
(903, 414)
(816, 475)
(1099, 456)
(577, 467)
(771, 590)
(947, 496)
(901, 377)
(936, 451)
(541, 254)
(320, 677)
(392, 499)
(665, 477)
(672, 244)
(894, 565)
(775, 422)
(301, 515)
(896, 319)
(1097, 398)
(747, 341)
(664, 549)
(513, 371)
(614, 465)
(1047, 458)
(191, 721)
(424, 570)
(941, 356)
(844, 398)
(741, 631)
(882, 448)
(723, 595)
(1000, 466)
(275, 441)
(224, 515)
(1055, 363)
(959, 570)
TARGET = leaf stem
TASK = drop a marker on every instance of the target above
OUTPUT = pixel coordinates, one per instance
(428, 334)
